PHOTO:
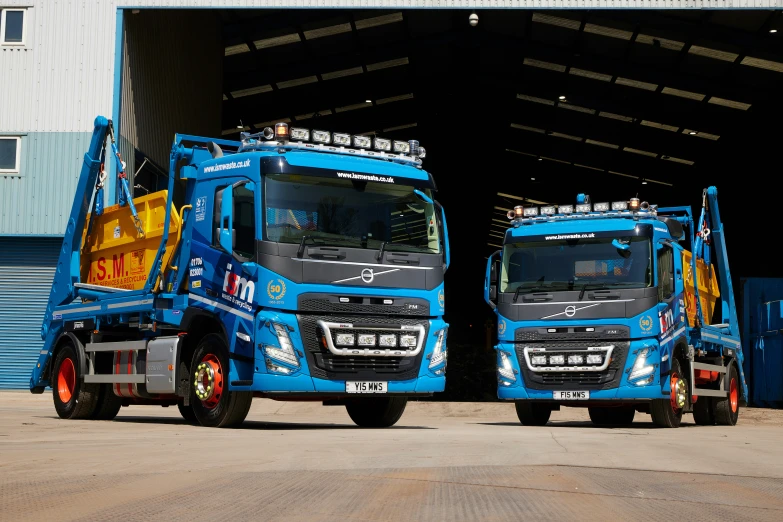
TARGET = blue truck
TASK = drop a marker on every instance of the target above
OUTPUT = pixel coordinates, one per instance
(294, 264)
(602, 305)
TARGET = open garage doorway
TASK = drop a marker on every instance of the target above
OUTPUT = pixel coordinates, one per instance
(524, 107)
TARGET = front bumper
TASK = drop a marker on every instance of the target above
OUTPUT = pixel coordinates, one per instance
(616, 386)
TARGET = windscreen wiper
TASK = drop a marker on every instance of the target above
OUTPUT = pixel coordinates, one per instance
(323, 241)
(302, 245)
(380, 251)
(584, 287)
(527, 290)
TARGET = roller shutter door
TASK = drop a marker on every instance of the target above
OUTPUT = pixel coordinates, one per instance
(26, 271)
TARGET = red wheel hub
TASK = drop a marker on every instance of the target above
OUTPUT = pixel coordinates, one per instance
(678, 392)
(66, 380)
(208, 381)
(734, 395)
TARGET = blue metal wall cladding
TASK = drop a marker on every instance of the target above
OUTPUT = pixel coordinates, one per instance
(26, 271)
(38, 200)
(763, 339)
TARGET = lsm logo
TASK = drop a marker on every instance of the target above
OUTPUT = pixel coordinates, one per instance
(238, 287)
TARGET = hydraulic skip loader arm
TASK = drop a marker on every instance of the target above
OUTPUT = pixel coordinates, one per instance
(67, 284)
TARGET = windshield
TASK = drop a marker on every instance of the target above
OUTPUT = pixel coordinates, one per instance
(573, 263)
(352, 213)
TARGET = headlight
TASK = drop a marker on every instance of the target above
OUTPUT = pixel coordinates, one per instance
(565, 209)
(382, 144)
(322, 136)
(504, 367)
(363, 142)
(547, 211)
(402, 147)
(601, 207)
(640, 367)
(300, 134)
(538, 359)
(619, 205)
(530, 211)
(344, 339)
(595, 359)
(557, 360)
(575, 359)
(341, 139)
(585, 207)
(407, 341)
(387, 340)
(439, 352)
(366, 339)
(285, 352)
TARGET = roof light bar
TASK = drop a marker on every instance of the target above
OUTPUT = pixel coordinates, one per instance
(619, 205)
(341, 139)
(363, 142)
(600, 207)
(530, 211)
(566, 209)
(402, 147)
(382, 144)
(548, 210)
(584, 208)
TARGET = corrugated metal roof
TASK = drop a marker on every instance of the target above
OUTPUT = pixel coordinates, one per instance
(26, 271)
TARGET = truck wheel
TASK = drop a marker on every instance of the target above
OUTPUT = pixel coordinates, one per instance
(213, 404)
(533, 413)
(667, 413)
(703, 412)
(108, 404)
(376, 413)
(727, 408)
(615, 416)
(73, 398)
(187, 413)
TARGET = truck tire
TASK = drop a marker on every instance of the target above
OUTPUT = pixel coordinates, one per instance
(614, 416)
(727, 408)
(187, 412)
(73, 398)
(703, 412)
(533, 413)
(381, 412)
(667, 413)
(108, 404)
(213, 404)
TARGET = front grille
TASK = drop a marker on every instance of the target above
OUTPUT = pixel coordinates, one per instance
(327, 306)
(600, 333)
(326, 365)
(608, 378)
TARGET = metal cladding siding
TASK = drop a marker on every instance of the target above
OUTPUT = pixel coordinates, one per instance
(26, 271)
(39, 200)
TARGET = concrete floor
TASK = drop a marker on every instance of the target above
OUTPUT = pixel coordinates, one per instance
(443, 461)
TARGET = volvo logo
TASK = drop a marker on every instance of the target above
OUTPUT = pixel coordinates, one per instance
(367, 275)
(570, 311)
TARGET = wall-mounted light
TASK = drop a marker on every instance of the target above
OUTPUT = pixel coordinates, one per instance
(561, 97)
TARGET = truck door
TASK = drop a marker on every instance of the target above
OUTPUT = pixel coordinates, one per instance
(668, 314)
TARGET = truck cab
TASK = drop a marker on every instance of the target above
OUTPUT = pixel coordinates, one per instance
(597, 306)
(306, 266)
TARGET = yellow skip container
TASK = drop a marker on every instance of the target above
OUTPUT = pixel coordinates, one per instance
(708, 288)
(115, 256)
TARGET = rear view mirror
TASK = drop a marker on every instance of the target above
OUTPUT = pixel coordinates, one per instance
(491, 280)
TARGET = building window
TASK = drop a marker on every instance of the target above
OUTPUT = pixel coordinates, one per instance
(12, 26)
(10, 151)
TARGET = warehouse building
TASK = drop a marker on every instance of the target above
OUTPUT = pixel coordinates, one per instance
(524, 105)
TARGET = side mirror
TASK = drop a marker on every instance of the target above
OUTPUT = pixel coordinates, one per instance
(491, 280)
(227, 220)
(446, 251)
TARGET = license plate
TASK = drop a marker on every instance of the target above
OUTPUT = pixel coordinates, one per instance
(571, 395)
(366, 387)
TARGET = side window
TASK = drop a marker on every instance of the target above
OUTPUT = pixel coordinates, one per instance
(10, 154)
(665, 273)
(12, 26)
(244, 224)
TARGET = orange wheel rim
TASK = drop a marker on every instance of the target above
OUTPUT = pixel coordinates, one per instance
(66, 380)
(208, 381)
(734, 395)
(678, 392)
